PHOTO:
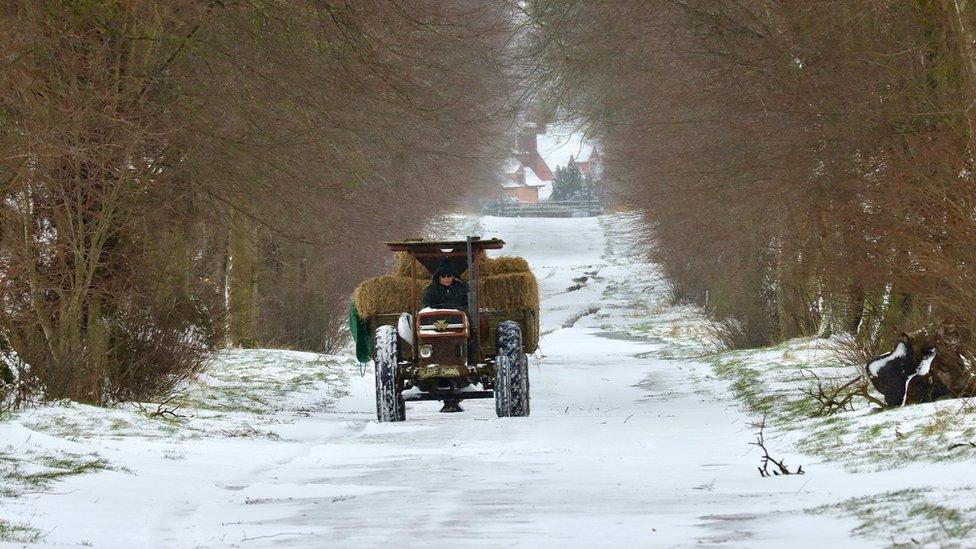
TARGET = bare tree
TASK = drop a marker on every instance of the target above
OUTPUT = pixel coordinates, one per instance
(805, 166)
(179, 175)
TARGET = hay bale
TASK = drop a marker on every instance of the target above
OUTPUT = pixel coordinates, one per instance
(402, 266)
(505, 264)
(509, 292)
(490, 266)
(506, 284)
(513, 291)
(530, 336)
(387, 295)
(392, 294)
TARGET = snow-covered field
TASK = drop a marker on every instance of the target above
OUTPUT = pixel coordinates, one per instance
(638, 438)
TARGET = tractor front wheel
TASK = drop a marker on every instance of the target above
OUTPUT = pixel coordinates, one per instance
(389, 401)
(511, 372)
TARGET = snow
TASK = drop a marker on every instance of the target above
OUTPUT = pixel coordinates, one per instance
(633, 441)
(533, 180)
(413, 391)
(926, 363)
(562, 142)
(545, 191)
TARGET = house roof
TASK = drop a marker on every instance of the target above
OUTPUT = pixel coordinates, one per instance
(541, 169)
(562, 142)
(532, 180)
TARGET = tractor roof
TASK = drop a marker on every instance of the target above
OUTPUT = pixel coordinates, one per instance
(452, 254)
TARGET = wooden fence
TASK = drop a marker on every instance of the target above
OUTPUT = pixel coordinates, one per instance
(585, 207)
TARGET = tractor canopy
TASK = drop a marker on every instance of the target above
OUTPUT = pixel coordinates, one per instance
(450, 254)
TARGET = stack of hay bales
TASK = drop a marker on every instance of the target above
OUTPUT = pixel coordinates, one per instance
(388, 294)
(506, 264)
(507, 284)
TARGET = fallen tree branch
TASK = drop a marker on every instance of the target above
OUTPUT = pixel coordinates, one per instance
(162, 411)
(967, 444)
(780, 466)
(833, 399)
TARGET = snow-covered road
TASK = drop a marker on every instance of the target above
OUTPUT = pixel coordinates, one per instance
(619, 450)
(624, 448)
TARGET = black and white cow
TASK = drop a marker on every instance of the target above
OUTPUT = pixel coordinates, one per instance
(904, 376)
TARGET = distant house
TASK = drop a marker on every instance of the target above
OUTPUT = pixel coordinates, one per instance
(521, 183)
(539, 150)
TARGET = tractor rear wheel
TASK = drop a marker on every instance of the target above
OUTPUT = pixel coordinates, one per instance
(389, 401)
(511, 372)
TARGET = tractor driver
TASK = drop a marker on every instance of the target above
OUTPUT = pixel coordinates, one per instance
(446, 291)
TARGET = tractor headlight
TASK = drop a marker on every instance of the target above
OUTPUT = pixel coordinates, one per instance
(426, 351)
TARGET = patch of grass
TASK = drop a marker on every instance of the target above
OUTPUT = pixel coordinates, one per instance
(940, 423)
(246, 431)
(748, 385)
(65, 427)
(248, 388)
(12, 532)
(877, 430)
(66, 465)
(33, 471)
(120, 425)
(909, 517)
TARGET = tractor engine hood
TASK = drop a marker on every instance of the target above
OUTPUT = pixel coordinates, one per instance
(439, 323)
(442, 337)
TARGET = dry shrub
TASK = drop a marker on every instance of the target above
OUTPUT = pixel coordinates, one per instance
(806, 167)
(156, 191)
(153, 349)
(731, 333)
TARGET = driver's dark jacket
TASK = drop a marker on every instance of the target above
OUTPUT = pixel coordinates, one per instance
(439, 296)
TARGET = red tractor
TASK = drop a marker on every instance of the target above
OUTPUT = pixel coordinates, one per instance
(453, 355)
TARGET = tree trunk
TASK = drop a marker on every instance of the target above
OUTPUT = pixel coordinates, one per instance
(960, 14)
(242, 282)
